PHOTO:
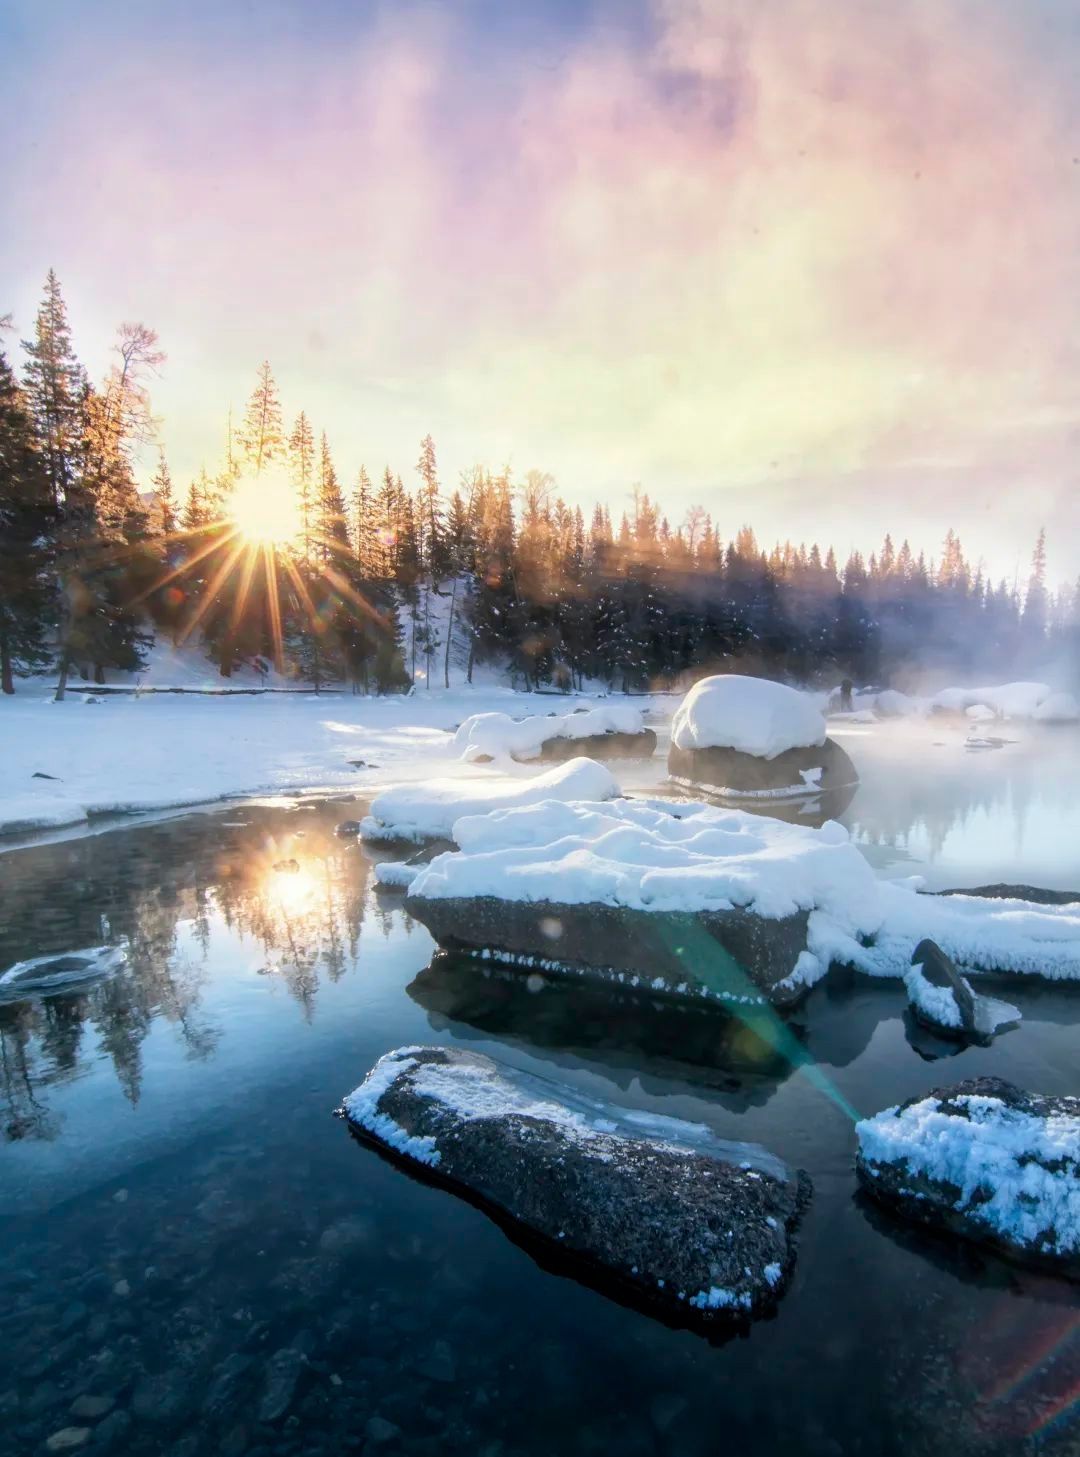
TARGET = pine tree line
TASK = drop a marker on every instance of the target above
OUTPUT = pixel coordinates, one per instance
(272, 561)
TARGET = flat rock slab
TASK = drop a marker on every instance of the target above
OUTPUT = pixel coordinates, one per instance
(600, 746)
(681, 1221)
(985, 1160)
(732, 955)
(824, 768)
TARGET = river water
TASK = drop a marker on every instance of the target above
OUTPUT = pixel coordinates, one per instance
(195, 1257)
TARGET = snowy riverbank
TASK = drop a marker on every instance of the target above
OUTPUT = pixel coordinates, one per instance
(123, 754)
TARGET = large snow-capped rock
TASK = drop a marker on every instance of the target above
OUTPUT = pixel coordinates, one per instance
(613, 731)
(696, 900)
(733, 735)
(427, 811)
(986, 1160)
(674, 1217)
(684, 898)
(945, 1001)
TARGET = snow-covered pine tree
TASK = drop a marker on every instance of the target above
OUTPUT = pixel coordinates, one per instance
(27, 598)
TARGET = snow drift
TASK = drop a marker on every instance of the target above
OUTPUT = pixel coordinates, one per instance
(498, 736)
(428, 811)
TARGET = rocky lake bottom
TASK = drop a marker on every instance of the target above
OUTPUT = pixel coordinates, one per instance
(196, 1257)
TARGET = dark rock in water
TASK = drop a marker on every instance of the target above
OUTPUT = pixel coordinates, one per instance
(943, 1000)
(673, 1217)
(39, 775)
(985, 1160)
(1034, 893)
(348, 827)
(600, 746)
(939, 971)
(287, 867)
(730, 772)
(733, 955)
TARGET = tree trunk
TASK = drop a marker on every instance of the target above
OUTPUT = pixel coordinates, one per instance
(61, 682)
(7, 682)
(472, 659)
(449, 635)
(99, 673)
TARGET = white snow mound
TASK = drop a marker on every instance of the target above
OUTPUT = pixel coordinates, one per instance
(428, 811)
(753, 715)
(497, 735)
(661, 856)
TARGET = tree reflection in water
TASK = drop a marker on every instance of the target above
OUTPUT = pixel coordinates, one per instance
(276, 875)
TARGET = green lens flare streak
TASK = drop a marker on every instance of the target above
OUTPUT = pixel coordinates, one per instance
(706, 962)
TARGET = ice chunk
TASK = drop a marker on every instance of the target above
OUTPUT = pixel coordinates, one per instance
(47, 975)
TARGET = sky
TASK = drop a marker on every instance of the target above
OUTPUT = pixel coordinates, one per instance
(813, 264)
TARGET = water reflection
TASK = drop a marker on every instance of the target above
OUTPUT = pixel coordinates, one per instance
(284, 882)
(927, 804)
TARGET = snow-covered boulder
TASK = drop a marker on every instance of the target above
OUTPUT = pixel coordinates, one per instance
(943, 1000)
(733, 736)
(613, 731)
(1004, 700)
(985, 1160)
(753, 715)
(51, 975)
(1058, 708)
(685, 899)
(660, 1210)
(427, 811)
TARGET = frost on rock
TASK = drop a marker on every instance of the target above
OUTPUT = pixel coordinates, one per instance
(417, 812)
(396, 874)
(660, 1209)
(944, 1001)
(50, 975)
(487, 736)
(986, 1160)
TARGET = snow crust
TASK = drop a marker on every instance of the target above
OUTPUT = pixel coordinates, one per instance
(752, 715)
(429, 811)
(996, 1157)
(659, 856)
(498, 736)
(482, 1088)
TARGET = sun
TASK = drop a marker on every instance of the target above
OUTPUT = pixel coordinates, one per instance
(264, 508)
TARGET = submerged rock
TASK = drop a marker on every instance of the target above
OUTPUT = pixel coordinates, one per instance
(985, 1160)
(943, 1000)
(673, 1216)
(46, 975)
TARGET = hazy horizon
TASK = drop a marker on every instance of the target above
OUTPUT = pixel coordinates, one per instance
(814, 266)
